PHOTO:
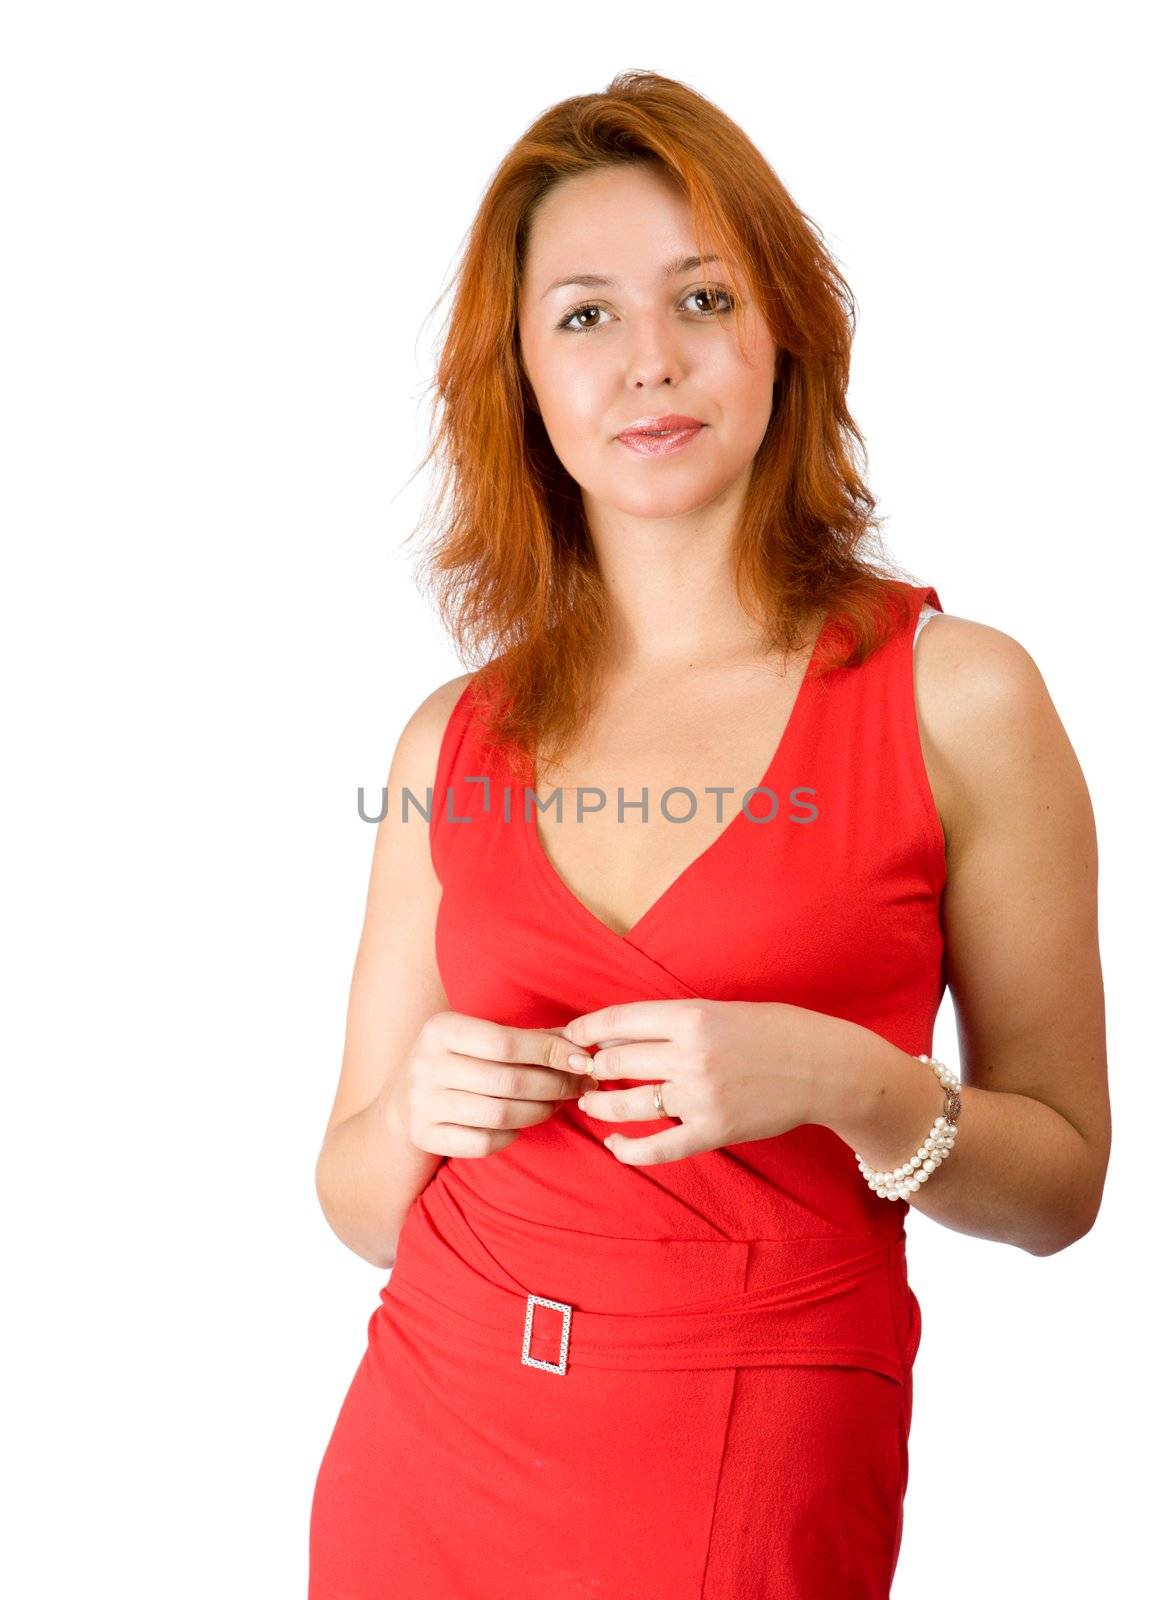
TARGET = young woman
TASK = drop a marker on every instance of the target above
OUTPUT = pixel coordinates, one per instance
(637, 1082)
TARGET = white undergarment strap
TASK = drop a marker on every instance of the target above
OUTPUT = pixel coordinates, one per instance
(926, 611)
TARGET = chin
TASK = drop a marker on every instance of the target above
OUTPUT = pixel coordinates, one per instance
(660, 500)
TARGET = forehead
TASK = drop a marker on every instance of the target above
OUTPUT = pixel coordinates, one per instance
(624, 225)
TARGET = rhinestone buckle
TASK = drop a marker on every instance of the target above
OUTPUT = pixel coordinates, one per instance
(529, 1360)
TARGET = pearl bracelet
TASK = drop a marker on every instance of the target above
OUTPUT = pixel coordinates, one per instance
(905, 1180)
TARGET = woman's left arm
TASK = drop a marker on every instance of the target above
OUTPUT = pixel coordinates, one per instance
(1022, 962)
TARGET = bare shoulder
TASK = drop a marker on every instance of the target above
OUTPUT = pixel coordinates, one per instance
(969, 670)
(416, 758)
(403, 849)
(990, 732)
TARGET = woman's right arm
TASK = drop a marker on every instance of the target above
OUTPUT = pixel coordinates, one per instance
(368, 1172)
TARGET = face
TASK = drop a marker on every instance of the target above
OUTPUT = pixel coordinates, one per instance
(647, 342)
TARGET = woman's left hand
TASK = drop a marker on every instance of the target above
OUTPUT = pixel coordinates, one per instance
(730, 1071)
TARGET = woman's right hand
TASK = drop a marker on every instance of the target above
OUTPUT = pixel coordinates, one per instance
(469, 1086)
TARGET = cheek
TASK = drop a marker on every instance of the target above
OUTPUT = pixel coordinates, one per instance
(577, 399)
(748, 405)
(746, 391)
(575, 414)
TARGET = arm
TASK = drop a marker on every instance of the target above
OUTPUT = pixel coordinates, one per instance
(368, 1173)
(1022, 961)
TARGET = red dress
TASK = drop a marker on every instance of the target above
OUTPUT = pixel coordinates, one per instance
(720, 1410)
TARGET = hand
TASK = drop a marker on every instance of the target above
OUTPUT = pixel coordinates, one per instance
(469, 1086)
(730, 1070)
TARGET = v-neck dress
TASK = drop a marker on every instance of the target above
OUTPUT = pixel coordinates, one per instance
(690, 1380)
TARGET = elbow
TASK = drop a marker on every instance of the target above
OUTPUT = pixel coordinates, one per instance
(1075, 1222)
(377, 1254)
(1054, 1247)
(1053, 1244)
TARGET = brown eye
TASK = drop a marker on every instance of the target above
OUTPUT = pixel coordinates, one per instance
(706, 294)
(580, 311)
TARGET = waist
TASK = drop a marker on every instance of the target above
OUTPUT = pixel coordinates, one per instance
(553, 1297)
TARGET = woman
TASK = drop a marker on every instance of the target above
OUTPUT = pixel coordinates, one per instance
(633, 1110)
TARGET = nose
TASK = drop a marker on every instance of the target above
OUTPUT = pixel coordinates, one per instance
(650, 372)
(652, 359)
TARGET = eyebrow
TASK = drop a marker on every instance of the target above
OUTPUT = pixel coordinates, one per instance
(595, 280)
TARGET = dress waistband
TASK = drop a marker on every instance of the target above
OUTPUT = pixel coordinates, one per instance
(554, 1297)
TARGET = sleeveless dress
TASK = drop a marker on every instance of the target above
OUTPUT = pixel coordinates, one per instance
(690, 1380)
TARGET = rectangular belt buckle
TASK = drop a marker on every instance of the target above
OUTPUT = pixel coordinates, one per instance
(529, 1360)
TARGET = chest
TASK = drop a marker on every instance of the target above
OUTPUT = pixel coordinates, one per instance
(823, 892)
(655, 778)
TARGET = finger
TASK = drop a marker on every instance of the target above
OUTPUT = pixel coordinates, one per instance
(620, 1105)
(470, 1110)
(674, 1144)
(656, 1058)
(494, 1041)
(510, 1080)
(638, 1019)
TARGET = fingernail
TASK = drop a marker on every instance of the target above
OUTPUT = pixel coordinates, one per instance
(579, 1063)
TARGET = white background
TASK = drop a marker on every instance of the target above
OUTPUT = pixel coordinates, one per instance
(226, 230)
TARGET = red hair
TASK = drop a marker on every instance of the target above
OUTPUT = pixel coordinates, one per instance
(512, 565)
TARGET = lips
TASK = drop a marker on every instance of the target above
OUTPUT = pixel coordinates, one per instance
(656, 437)
(658, 427)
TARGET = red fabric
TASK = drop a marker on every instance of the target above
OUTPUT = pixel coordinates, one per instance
(733, 1417)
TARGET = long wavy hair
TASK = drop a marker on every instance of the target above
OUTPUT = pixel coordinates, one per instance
(510, 562)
